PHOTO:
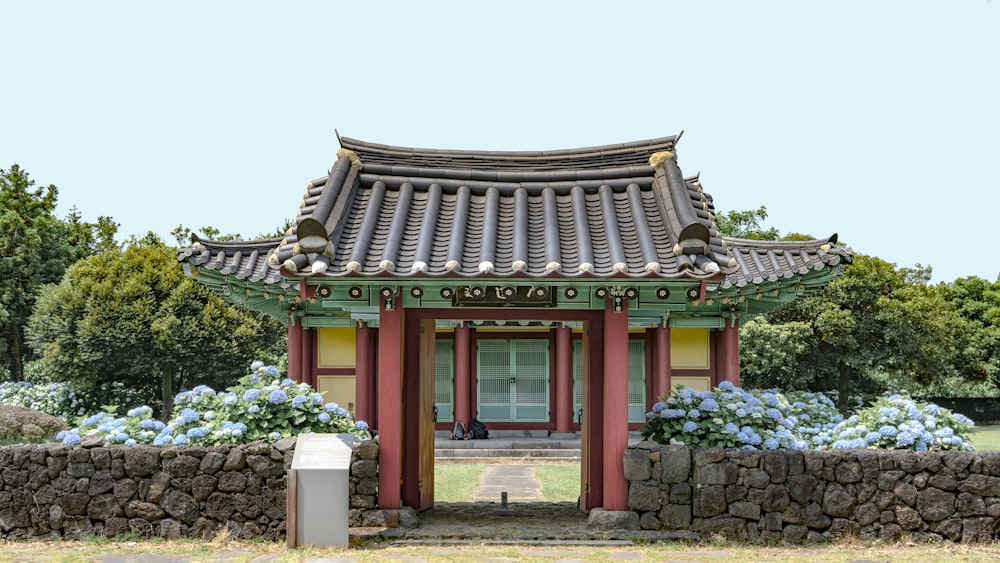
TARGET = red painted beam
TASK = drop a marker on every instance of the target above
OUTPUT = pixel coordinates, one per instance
(294, 348)
(463, 375)
(564, 380)
(662, 376)
(730, 347)
(362, 372)
(615, 405)
(390, 403)
(309, 360)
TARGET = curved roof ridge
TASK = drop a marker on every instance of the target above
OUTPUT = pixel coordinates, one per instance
(746, 242)
(237, 244)
(635, 147)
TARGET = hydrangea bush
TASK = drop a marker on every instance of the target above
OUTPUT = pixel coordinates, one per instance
(731, 417)
(899, 422)
(262, 406)
(57, 399)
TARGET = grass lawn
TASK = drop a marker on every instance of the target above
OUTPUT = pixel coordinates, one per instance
(455, 482)
(560, 481)
(986, 437)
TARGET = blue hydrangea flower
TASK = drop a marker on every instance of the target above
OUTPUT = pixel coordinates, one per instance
(198, 432)
(272, 371)
(180, 440)
(277, 397)
(189, 415)
(686, 394)
(731, 428)
(130, 442)
(251, 395)
(727, 386)
(690, 426)
(299, 400)
(771, 444)
(230, 399)
(254, 409)
(331, 407)
(659, 406)
(287, 383)
(709, 405)
(274, 436)
(256, 365)
(71, 439)
(91, 420)
(317, 399)
(361, 425)
(693, 413)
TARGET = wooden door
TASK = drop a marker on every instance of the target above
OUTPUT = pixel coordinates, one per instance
(425, 432)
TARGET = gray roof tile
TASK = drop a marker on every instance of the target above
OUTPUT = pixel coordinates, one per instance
(617, 210)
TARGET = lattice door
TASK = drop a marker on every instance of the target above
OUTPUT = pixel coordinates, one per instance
(444, 380)
(636, 380)
(513, 380)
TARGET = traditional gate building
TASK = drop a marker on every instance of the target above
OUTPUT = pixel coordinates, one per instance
(557, 291)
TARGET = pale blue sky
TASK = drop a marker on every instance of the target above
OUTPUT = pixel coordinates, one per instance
(876, 120)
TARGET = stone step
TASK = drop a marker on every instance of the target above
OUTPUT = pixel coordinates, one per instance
(507, 444)
(508, 453)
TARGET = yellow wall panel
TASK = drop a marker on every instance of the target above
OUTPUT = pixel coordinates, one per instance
(336, 347)
(338, 389)
(689, 348)
(700, 383)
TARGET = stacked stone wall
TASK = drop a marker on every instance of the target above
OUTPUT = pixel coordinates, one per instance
(797, 496)
(51, 491)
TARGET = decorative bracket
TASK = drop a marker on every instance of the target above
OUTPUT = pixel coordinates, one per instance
(618, 294)
(388, 296)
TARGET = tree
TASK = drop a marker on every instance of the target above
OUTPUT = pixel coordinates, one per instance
(978, 302)
(746, 224)
(877, 319)
(130, 317)
(35, 249)
(770, 355)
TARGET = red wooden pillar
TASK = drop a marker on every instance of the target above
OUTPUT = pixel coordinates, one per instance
(362, 372)
(662, 376)
(309, 356)
(564, 380)
(463, 374)
(294, 347)
(729, 346)
(615, 405)
(390, 402)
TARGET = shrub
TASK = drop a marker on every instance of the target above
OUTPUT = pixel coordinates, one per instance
(899, 422)
(731, 417)
(56, 399)
(262, 406)
(20, 424)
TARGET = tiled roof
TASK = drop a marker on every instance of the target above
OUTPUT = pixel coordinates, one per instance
(618, 210)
